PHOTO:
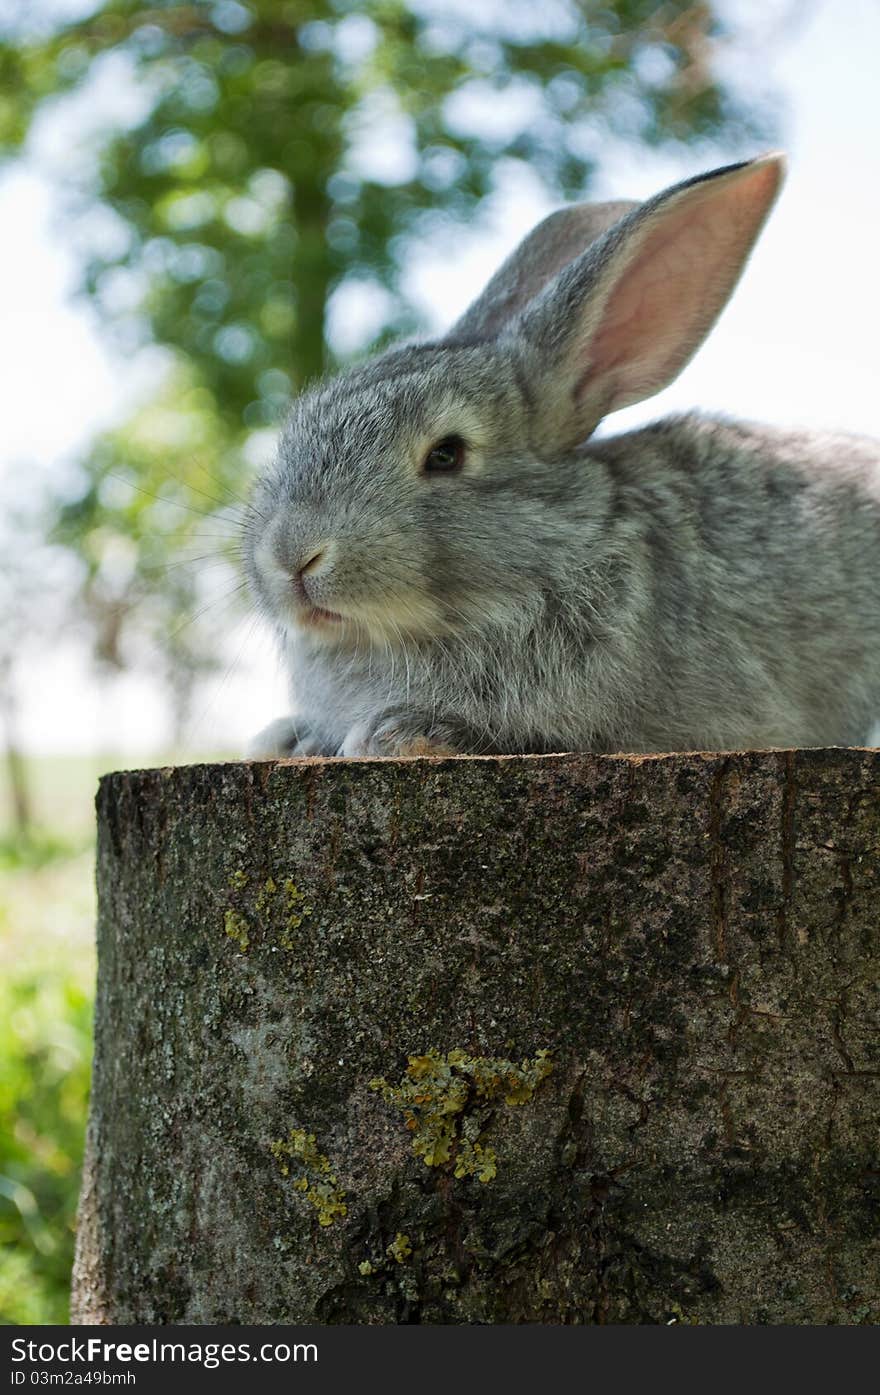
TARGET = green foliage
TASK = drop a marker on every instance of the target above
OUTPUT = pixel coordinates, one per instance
(35, 848)
(447, 1102)
(274, 154)
(249, 186)
(47, 931)
(45, 1050)
(145, 551)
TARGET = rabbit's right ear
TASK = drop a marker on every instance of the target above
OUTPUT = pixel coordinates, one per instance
(554, 243)
(620, 322)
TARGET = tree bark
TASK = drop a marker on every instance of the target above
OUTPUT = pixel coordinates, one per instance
(323, 991)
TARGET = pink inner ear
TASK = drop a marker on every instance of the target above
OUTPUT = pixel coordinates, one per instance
(670, 291)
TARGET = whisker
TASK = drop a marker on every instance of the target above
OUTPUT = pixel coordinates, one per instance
(244, 500)
(222, 503)
(160, 498)
(214, 700)
(194, 489)
(207, 559)
(226, 596)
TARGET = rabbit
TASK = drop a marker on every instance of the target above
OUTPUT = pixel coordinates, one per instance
(453, 565)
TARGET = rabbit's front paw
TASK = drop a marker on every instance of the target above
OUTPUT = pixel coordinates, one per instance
(403, 734)
(287, 737)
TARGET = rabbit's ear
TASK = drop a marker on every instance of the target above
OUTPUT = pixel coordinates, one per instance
(620, 322)
(554, 243)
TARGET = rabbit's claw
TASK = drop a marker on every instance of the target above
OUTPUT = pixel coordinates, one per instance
(401, 734)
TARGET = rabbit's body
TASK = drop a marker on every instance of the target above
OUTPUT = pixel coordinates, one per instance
(727, 603)
(697, 584)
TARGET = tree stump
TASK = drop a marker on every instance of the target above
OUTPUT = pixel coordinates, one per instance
(558, 1039)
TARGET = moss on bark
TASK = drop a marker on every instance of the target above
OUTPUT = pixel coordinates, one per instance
(694, 938)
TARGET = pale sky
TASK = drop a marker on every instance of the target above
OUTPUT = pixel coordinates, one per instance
(797, 345)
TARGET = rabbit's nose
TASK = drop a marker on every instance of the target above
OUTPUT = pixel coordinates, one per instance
(312, 564)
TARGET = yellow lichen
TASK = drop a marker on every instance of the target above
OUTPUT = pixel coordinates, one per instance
(316, 1178)
(400, 1248)
(296, 908)
(237, 929)
(265, 894)
(473, 1159)
(447, 1101)
(277, 910)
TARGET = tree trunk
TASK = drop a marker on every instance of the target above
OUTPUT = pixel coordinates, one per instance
(19, 792)
(325, 988)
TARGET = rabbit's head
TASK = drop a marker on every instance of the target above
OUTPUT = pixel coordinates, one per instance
(439, 489)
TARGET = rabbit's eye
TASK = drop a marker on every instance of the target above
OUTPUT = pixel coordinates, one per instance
(446, 457)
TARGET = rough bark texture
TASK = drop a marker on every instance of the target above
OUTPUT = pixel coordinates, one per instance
(694, 938)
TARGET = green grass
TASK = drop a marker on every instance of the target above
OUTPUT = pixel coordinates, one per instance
(45, 1050)
(62, 791)
(46, 986)
(47, 971)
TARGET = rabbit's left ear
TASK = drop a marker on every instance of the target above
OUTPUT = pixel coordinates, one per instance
(549, 247)
(620, 322)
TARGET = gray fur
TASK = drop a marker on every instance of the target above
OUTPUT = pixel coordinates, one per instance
(697, 584)
(554, 243)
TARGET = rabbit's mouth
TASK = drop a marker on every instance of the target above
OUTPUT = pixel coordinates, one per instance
(316, 615)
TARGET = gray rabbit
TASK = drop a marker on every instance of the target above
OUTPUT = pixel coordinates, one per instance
(453, 565)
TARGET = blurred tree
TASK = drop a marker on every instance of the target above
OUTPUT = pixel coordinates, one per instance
(16, 770)
(32, 577)
(281, 152)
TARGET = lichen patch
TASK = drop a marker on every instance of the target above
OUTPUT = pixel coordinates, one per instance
(313, 1174)
(447, 1102)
